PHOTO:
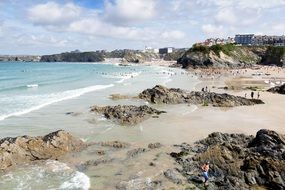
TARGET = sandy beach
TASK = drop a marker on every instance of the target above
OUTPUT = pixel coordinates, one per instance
(109, 168)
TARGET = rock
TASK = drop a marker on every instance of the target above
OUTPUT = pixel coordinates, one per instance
(197, 179)
(173, 176)
(278, 89)
(93, 163)
(269, 143)
(221, 56)
(135, 152)
(154, 145)
(231, 56)
(114, 144)
(162, 95)
(139, 183)
(237, 161)
(127, 114)
(73, 113)
(16, 150)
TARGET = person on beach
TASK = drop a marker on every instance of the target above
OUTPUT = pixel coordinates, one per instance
(205, 169)
(258, 95)
(252, 94)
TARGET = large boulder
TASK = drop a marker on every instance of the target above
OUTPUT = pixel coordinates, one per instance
(278, 89)
(15, 150)
(237, 161)
(162, 95)
(127, 114)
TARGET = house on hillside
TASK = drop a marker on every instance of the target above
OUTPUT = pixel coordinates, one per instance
(166, 50)
(150, 49)
(244, 39)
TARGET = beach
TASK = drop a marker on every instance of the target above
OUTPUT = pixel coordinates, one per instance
(181, 123)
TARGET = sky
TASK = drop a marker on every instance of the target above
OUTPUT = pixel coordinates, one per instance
(39, 27)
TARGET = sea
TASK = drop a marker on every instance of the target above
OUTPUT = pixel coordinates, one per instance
(39, 98)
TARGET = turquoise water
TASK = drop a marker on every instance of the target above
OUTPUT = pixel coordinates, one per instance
(25, 87)
(34, 100)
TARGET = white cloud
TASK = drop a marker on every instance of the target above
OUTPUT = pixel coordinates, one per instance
(253, 4)
(66, 24)
(52, 13)
(95, 27)
(226, 16)
(126, 11)
(213, 30)
(99, 28)
(175, 34)
(41, 39)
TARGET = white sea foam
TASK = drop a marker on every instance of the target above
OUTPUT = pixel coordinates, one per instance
(122, 77)
(47, 99)
(78, 181)
(56, 174)
(32, 85)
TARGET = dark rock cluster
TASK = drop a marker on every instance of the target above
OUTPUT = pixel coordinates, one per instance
(127, 114)
(278, 89)
(236, 161)
(162, 95)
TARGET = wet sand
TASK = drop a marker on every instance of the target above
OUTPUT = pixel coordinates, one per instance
(186, 123)
(181, 123)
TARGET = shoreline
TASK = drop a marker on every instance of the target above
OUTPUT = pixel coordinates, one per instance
(107, 167)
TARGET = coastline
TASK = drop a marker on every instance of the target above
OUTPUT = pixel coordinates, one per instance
(181, 123)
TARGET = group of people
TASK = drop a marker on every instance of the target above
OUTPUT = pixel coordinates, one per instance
(205, 89)
(252, 95)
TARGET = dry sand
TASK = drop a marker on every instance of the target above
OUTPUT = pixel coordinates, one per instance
(245, 119)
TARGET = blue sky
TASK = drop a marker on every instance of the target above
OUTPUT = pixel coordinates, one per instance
(45, 27)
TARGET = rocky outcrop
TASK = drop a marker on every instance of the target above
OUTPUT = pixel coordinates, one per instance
(236, 161)
(162, 95)
(274, 56)
(231, 56)
(221, 56)
(25, 149)
(127, 114)
(74, 57)
(139, 57)
(278, 89)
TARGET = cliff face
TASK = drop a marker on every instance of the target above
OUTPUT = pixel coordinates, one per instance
(139, 57)
(274, 55)
(133, 56)
(74, 57)
(231, 56)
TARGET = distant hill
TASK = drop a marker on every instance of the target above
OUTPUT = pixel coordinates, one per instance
(26, 58)
(74, 57)
(126, 55)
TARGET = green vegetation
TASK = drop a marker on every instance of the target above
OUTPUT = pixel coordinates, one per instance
(276, 51)
(254, 88)
(274, 55)
(226, 49)
(198, 48)
(205, 103)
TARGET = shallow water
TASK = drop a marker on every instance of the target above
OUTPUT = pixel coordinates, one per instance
(35, 98)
